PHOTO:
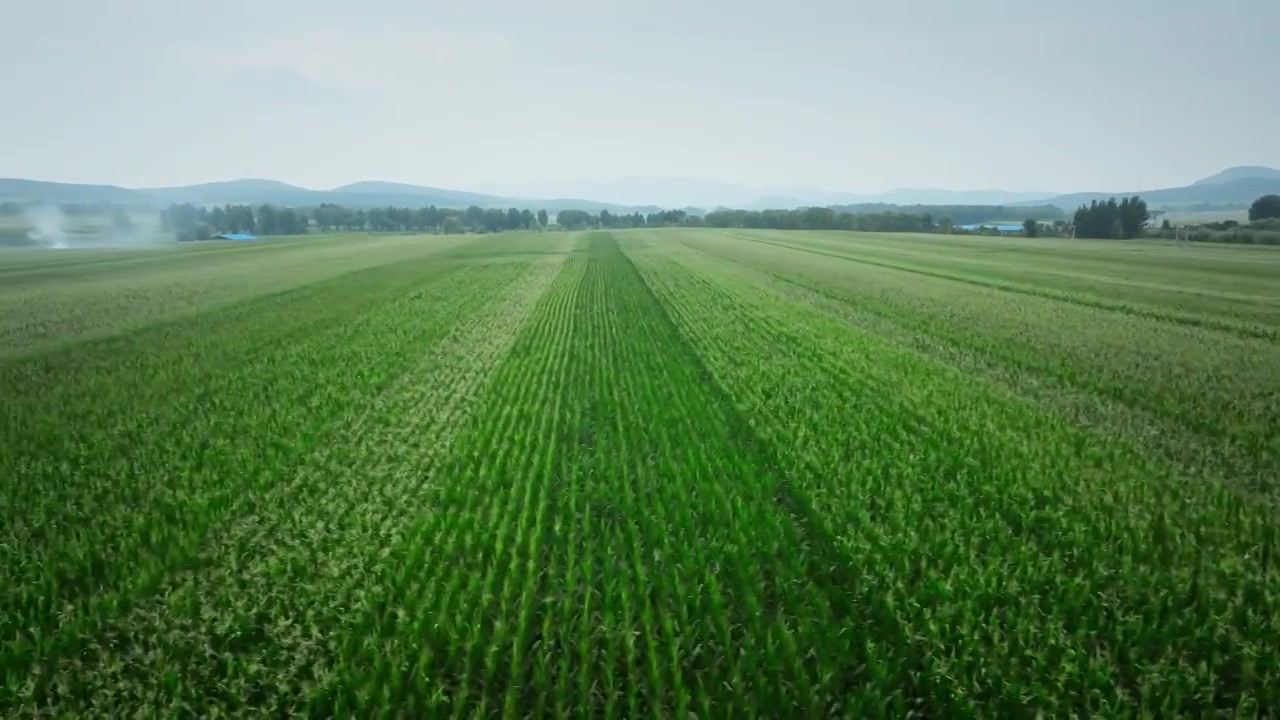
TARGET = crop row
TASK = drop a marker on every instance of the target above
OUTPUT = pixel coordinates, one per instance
(65, 298)
(642, 474)
(600, 545)
(256, 620)
(1005, 559)
(106, 516)
(1208, 384)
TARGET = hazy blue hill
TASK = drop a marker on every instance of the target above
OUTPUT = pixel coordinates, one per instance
(940, 196)
(773, 202)
(1241, 172)
(902, 196)
(1237, 185)
(433, 195)
(235, 192)
(1242, 191)
(14, 189)
(389, 193)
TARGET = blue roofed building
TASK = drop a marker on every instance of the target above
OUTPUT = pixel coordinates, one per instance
(235, 236)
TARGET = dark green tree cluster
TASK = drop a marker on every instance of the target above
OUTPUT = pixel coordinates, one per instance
(576, 219)
(581, 219)
(193, 223)
(276, 220)
(821, 218)
(1265, 208)
(187, 221)
(959, 214)
(614, 220)
(430, 219)
(233, 219)
(1115, 220)
(190, 222)
(484, 220)
(330, 217)
(478, 219)
(667, 218)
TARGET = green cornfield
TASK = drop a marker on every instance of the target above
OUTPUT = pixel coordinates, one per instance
(654, 473)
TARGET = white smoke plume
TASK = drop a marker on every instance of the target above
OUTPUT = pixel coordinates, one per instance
(48, 226)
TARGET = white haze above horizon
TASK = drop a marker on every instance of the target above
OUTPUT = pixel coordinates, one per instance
(565, 98)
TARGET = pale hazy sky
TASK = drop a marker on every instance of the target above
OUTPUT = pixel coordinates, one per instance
(539, 95)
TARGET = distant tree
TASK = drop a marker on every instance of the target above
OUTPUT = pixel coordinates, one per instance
(238, 218)
(1111, 219)
(1030, 227)
(1133, 216)
(334, 217)
(575, 219)
(218, 220)
(946, 224)
(290, 222)
(668, 217)
(959, 214)
(182, 220)
(427, 219)
(542, 218)
(526, 218)
(495, 220)
(266, 220)
(813, 218)
(1265, 208)
(452, 225)
(1166, 225)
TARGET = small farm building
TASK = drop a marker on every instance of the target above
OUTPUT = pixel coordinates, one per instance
(235, 236)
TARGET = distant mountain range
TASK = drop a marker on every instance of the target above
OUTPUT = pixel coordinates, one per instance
(1233, 186)
(51, 192)
(1236, 186)
(253, 191)
(711, 193)
(1243, 172)
(903, 196)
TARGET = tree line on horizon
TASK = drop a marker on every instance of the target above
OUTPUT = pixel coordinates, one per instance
(1111, 219)
(190, 222)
